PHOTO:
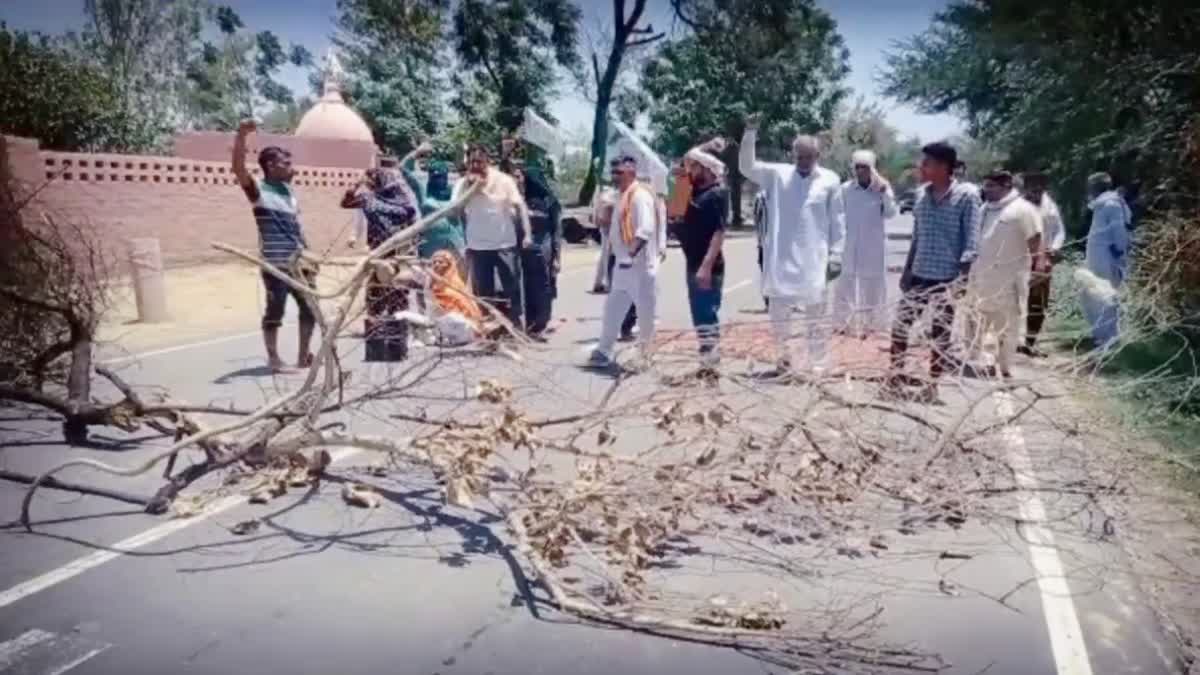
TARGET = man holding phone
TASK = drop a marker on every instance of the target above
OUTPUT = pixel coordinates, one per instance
(491, 238)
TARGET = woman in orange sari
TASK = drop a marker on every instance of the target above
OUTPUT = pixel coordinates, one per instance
(449, 291)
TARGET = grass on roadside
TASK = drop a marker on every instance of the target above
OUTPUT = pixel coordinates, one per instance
(1154, 378)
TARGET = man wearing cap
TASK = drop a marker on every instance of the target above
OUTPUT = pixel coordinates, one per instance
(803, 242)
(861, 291)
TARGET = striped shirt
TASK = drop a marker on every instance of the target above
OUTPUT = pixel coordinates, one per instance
(276, 212)
(945, 232)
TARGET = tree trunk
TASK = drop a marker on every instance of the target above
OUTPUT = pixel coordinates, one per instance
(79, 389)
(604, 92)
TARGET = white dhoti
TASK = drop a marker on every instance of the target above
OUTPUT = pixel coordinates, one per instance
(1005, 320)
(860, 303)
(637, 286)
(817, 330)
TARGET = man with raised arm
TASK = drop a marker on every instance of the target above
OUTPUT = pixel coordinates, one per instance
(802, 243)
(280, 239)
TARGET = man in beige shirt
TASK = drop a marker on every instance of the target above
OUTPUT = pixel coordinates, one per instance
(491, 236)
(1010, 235)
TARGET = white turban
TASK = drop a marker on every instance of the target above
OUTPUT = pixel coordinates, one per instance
(863, 157)
(707, 160)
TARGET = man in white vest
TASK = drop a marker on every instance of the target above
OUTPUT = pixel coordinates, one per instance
(861, 292)
(803, 242)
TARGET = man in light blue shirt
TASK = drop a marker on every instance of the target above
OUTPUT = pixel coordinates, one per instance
(1107, 251)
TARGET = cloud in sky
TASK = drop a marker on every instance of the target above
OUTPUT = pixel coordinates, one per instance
(868, 26)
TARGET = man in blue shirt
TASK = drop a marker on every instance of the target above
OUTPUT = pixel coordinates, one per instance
(946, 220)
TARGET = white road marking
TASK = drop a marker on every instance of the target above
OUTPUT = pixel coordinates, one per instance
(87, 562)
(1062, 622)
(10, 651)
(739, 285)
(178, 348)
(45, 653)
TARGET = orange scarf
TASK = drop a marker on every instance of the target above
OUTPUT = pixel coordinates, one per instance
(449, 291)
(628, 232)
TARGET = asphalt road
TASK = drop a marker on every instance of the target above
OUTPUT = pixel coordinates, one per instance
(413, 587)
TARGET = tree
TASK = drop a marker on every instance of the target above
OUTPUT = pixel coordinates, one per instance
(285, 117)
(1069, 87)
(783, 58)
(613, 43)
(84, 117)
(509, 49)
(395, 53)
(235, 79)
(144, 47)
(861, 126)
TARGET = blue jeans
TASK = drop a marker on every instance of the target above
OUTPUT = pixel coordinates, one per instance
(705, 304)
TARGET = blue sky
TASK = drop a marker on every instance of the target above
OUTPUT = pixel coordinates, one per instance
(868, 26)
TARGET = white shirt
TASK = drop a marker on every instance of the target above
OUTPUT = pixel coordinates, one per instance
(645, 226)
(805, 227)
(1000, 275)
(1054, 234)
(489, 213)
(867, 210)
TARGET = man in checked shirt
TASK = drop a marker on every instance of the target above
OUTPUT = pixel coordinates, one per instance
(946, 220)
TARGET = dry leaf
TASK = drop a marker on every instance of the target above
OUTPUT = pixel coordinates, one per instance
(362, 496)
(947, 587)
(458, 493)
(244, 527)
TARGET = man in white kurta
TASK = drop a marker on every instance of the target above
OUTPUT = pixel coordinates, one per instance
(1054, 235)
(1010, 235)
(803, 242)
(861, 292)
(635, 236)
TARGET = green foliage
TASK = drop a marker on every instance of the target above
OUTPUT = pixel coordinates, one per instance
(144, 47)
(510, 48)
(236, 78)
(86, 116)
(285, 117)
(395, 58)
(861, 126)
(1072, 87)
(782, 58)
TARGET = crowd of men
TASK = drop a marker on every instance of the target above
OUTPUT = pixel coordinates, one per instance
(986, 252)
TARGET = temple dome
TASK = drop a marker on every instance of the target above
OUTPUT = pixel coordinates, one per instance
(330, 117)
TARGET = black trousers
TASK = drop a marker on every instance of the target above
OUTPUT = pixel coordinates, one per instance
(504, 263)
(538, 282)
(630, 316)
(920, 295)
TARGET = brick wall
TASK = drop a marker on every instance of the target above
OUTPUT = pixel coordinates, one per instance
(215, 146)
(185, 203)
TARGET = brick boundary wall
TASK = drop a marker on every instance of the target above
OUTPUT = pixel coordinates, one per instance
(186, 203)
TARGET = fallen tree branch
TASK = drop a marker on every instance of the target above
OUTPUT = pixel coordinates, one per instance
(56, 484)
